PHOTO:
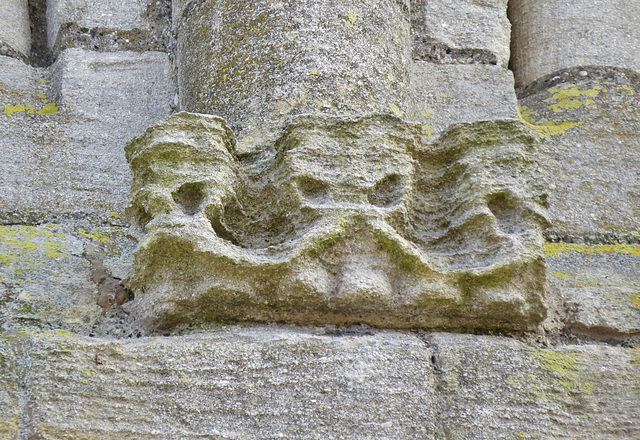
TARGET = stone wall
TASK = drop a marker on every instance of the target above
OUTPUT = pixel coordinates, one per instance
(397, 219)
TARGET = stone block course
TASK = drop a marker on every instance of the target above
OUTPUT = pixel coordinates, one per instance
(445, 94)
(588, 119)
(233, 382)
(15, 32)
(498, 388)
(108, 25)
(461, 31)
(376, 155)
(67, 127)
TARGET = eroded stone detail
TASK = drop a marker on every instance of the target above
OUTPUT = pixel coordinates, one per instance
(345, 220)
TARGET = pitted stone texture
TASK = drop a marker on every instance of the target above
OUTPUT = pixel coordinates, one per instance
(47, 277)
(444, 94)
(461, 31)
(599, 286)
(350, 220)
(9, 393)
(589, 121)
(498, 388)
(258, 63)
(554, 35)
(15, 34)
(108, 25)
(248, 383)
(64, 138)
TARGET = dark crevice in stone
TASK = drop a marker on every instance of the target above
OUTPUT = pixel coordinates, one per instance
(35, 218)
(433, 51)
(40, 55)
(552, 235)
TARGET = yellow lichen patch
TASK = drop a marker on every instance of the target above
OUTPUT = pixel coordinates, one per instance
(554, 128)
(395, 110)
(572, 91)
(569, 96)
(544, 127)
(96, 234)
(11, 109)
(564, 369)
(556, 248)
(23, 243)
(427, 129)
(427, 113)
(351, 21)
(48, 109)
(627, 89)
(561, 275)
(634, 299)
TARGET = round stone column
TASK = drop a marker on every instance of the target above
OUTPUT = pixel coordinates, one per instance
(15, 33)
(551, 35)
(256, 63)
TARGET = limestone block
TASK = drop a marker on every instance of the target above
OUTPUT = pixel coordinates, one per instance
(237, 382)
(350, 220)
(108, 25)
(258, 63)
(498, 388)
(551, 35)
(65, 145)
(461, 31)
(589, 121)
(599, 287)
(15, 32)
(50, 276)
(445, 94)
(9, 392)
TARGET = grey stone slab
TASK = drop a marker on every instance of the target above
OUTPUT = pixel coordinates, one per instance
(553, 35)
(15, 32)
(461, 32)
(232, 383)
(65, 146)
(445, 94)
(9, 392)
(599, 287)
(589, 119)
(49, 276)
(498, 388)
(108, 25)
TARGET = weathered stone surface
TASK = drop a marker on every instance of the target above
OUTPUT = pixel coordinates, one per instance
(445, 94)
(108, 25)
(552, 35)
(248, 383)
(9, 393)
(351, 220)
(258, 63)
(589, 121)
(49, 276)
(498, 388)
(599, 286)
(461, 31)
(66, 129)
(15, 35)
